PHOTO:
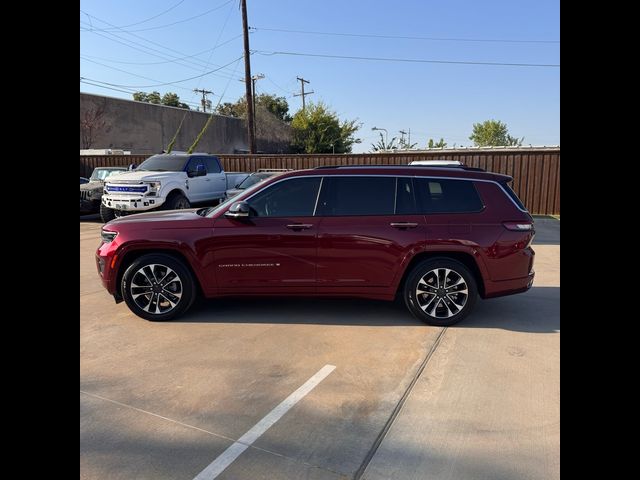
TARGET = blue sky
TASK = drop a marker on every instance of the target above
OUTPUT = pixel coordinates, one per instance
(120, 44)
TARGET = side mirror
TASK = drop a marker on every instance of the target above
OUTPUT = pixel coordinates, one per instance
(198, 172)
(132, 166)
(238, 210)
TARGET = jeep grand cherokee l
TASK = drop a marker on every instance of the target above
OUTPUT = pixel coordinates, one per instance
(437, 236)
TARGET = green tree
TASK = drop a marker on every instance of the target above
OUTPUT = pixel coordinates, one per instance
(382, 146)
(170, 99)
(493, 133)
(278, 106)
(317, 129)
(439, 144)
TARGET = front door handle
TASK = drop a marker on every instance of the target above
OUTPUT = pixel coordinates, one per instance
(403, 225)
(207, 179)
(299, 226)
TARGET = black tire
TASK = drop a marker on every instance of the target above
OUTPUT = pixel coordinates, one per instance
(106, 214)
(142, 305)
(445, 312)
(176, 201)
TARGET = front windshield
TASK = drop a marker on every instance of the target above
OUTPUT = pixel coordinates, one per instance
(253, 179)
(164, 163)
(209, 212)
(102, 173)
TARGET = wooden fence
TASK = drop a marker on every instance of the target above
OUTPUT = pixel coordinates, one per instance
(535, 171)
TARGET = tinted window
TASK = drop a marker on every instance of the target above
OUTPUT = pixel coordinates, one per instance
(289, 198)
(446, 196)
(212, 165)
(194, 162)
(405, 198)
(164, 163)
(357, 196)
(253, 179)
(513, 196)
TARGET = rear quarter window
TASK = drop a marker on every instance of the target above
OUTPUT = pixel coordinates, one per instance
(513, 196)
(434, 195)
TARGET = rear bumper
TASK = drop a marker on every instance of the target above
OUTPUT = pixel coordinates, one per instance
(508, 287)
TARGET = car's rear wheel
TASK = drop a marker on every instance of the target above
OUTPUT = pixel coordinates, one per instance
(440, 291)
(158, 287)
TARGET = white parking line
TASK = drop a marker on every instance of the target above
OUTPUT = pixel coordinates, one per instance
(227, 457)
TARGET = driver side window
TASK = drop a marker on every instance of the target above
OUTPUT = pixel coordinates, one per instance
(194, 162)
(289, 198)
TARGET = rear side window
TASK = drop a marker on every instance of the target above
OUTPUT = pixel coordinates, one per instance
(357, 196)
(212, 165)
(436, 195)
(513, 196)
(289, 198)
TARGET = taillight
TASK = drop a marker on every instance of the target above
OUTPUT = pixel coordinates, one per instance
(518, 226)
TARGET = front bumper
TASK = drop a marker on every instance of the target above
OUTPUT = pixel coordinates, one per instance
(131, 203)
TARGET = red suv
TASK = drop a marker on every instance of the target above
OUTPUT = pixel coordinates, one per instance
(437, 236)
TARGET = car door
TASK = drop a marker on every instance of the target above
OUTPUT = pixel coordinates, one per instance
(369, 230)
(216, 180)
(197, 187)
(275, 248)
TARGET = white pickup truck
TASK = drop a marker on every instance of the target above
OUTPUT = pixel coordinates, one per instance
(167, 181)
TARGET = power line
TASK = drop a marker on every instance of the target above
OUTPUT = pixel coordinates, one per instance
(405, 37)
(410, 60)
(128, 73)
(174, 59)
(165, 25)
(155, 16)
(84, 80)
(200, 64)
(174, 82)
(167, 61)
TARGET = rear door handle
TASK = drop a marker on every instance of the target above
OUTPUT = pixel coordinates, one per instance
(402, 225)
(207, 179)
(299, 226)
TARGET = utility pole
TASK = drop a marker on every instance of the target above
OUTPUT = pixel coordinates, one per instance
(253, 90)
(302, 92)
(204, 97)
(247, 79)
(403, 133)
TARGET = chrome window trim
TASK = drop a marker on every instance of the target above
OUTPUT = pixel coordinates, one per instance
(395, 176)
(315, 207)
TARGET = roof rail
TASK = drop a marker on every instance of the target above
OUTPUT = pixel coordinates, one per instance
(459, 167)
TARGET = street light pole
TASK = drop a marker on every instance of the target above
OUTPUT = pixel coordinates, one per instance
(386, 135)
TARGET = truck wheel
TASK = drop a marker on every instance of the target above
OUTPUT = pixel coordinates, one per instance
(176, 201)
(107, 214)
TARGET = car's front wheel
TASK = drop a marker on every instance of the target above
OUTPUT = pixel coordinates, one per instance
(158, 287)
(440, 291)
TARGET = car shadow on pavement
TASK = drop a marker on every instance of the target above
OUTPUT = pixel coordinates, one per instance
(91, 218)
(536, 311)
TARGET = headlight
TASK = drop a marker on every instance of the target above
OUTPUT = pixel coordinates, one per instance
(153, 188)
(108, 236)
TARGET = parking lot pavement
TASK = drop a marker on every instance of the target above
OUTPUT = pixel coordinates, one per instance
(164, 400)
(547, 230)
(487, 406)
